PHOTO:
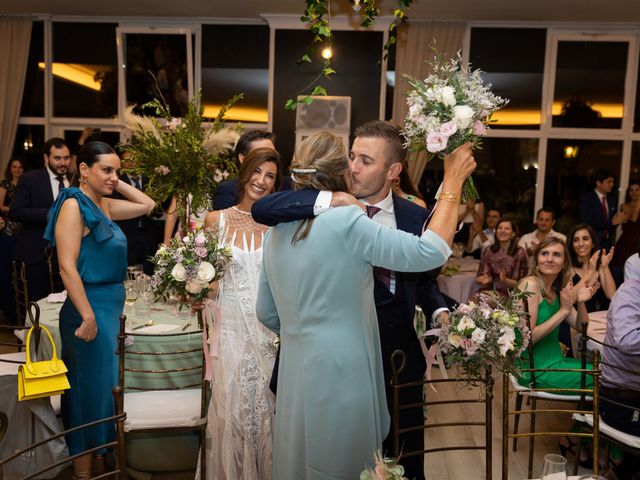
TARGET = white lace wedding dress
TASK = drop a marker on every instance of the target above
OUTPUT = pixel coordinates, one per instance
(241, 412)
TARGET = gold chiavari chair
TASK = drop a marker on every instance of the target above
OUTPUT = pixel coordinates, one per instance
(485, 382)
(119, 473)
(20, 290)
(532, 434)
(166, 407)
(33, 312)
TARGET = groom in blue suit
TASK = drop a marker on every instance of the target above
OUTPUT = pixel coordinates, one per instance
(375, 161)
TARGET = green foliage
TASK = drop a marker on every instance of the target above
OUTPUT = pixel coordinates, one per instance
(180, 156)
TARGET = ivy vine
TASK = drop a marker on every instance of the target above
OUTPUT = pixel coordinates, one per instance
(318, 14)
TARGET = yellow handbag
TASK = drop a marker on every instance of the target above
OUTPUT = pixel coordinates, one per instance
(41, 379)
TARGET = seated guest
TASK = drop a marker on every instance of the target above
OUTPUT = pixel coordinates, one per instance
(588, 261)
(619, 384)
(479, 239)
(545, 220)
(551, 303)
(468, 213)
(227, 194)
(504, 262)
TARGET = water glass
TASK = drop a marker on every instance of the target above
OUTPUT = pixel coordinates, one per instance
(555, 467)
(143, 305)
(591, 476)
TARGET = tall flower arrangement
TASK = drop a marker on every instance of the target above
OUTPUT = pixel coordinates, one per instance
(180, 156)
(450, 107)
(492, 331)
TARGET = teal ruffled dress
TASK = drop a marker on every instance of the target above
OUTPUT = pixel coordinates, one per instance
(93, 366)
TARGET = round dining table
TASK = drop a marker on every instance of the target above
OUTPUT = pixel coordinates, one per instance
(458, 279)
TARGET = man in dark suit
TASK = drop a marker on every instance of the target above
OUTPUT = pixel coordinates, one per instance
(598, 208)
(375, 161)
(34, 195)
(226, 194)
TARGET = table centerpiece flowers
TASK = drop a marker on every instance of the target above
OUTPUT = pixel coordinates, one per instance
(450, 107)
(493, 330)
(385, 469)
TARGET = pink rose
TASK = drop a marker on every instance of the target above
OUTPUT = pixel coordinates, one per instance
(436, 142)
(201, 251)
(448, 128)
(469, 346)
(479, 128)
(200, 240)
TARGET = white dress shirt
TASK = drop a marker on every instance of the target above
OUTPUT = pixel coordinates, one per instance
(55, 185)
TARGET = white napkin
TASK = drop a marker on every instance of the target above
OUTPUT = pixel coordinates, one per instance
(157, 328)
(59, 297)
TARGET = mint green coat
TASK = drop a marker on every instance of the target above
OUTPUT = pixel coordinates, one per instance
(317, 294)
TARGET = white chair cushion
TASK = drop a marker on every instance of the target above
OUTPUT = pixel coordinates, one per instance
(55, 403)
(162, 409)
(609, 431)
(545, 395)
(11, 368)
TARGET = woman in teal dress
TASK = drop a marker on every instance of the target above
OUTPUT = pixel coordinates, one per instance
(552, 301)
(92, 253)
(316, 292)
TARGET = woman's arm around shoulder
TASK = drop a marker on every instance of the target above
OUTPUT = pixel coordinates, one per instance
(136, 204)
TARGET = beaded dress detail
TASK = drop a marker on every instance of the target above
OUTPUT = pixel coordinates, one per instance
(241, 413)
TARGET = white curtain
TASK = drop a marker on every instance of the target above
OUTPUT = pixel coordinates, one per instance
(413, 48)
(15, 35)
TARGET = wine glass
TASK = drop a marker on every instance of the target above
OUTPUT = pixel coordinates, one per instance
(131, 293)
(555, 467)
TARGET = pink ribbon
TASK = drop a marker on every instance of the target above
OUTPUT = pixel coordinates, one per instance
(211, 314)
(432, 355)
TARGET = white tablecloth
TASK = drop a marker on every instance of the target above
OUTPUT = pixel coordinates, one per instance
(463, 284)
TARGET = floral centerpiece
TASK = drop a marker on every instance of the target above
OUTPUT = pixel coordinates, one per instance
(493, 330)
(450, 107)
(186, 267)
(180, 156)
(385, 469)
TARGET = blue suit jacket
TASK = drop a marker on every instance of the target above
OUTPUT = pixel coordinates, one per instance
(395, 311)
(590, 210)
(30, 205)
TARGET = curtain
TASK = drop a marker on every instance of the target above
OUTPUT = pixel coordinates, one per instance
(15, 35)
(413, 48)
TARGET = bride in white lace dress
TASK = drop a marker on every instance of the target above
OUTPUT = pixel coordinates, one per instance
(241, 412)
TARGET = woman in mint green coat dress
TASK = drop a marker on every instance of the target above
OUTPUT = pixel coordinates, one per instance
(331, 413)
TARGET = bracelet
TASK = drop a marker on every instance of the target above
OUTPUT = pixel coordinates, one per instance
(449, 197)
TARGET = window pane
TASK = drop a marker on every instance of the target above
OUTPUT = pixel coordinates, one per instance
(72, 136)
(636, 118)
(570, 166)
(85, 74)
(513, 62)
(33, 96)
(634, 174)
(241, 69)
(157, 64)
(28, 145)
(505, 177)
(589, 89)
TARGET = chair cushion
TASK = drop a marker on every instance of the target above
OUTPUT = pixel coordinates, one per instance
(609, 431)
(545, 395)
(162, 409)
(55, 403)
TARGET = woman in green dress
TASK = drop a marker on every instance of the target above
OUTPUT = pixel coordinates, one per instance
(553, 300)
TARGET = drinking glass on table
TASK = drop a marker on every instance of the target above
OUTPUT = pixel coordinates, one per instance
(131, 294)
(555, 467)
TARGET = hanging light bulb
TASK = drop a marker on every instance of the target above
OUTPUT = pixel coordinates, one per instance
(327, 52)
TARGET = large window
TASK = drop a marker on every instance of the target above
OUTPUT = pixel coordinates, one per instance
(244, 68)
(85, 76)
(512, 60)
(33, 96)
(589, 84)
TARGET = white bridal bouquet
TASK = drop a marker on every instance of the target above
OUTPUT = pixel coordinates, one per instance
(494, 330)
(187, 266)
(450, 107)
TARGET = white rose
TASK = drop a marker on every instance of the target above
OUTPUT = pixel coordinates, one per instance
(194, 287)
(448, 96)
(465, 323)
(206, 272)
(454, 339)
(186, 240)
(478, 335)
(462, 115)
(179, 272)
(506, 340)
